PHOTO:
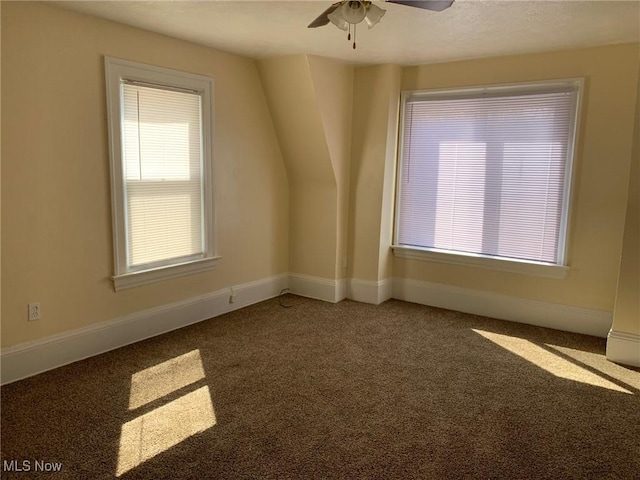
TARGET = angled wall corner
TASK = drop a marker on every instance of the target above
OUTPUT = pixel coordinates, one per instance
(375, 123)
(313, 189)
(623, 345)
(333, 84)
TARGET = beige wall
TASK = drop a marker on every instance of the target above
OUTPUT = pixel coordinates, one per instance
(333, 84)
(601, 171)
(310, 101)
(289, 89)
(305, 154)
(626, 316)
(56, 218)
(375, 118)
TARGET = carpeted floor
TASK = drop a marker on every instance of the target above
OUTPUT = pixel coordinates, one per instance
(339, 391)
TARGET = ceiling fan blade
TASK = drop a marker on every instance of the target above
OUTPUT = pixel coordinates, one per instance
(323, 18)
(435, 5)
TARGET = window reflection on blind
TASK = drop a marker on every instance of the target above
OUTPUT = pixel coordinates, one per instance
(486, 174)
(163, 175)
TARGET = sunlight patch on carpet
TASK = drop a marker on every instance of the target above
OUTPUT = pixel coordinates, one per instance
(160, 380)
(548, 361)
(156, 431)
(600, 363)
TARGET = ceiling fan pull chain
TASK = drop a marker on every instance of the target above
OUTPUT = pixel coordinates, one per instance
(354, 36)
(349, 36)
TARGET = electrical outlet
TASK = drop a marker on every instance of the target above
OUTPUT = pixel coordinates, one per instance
(34, 311)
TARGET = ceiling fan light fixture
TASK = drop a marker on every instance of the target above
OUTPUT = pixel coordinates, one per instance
(353, 11)
(347, 14)
(338, 20)
(374, 14)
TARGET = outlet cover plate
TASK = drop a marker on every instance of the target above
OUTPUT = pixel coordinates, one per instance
(34, 311)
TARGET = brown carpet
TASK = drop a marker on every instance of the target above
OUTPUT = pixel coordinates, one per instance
(340, 391)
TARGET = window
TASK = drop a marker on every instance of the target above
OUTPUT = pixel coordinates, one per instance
(484, 175)
(160, 124)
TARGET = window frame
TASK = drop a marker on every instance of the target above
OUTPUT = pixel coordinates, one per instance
(115, 71)
(558, 270)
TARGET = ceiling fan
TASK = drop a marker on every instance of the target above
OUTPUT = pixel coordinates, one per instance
(346, 14)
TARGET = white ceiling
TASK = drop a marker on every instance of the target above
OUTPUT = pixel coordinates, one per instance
(405, 35)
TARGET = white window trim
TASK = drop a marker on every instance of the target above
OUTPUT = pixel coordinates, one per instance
(512, 265)
(115, 70)
(559, 270)
(135, 279)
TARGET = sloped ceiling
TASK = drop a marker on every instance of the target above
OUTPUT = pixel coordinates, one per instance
(405, 35)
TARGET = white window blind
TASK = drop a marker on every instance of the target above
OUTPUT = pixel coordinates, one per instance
(487, 173)
(163, 173)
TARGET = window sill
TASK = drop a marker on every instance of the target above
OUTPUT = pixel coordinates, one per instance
(470, 260)
(136, 279)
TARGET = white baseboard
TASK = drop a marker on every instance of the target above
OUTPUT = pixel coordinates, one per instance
(623, 348)
(370, 292)
(341, 289)
(31, 358)
(543, 314)
(317, 287)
